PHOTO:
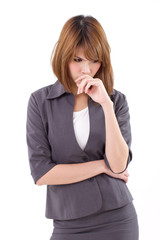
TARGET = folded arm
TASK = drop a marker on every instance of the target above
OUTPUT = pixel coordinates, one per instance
(43, 169)
(72, 173)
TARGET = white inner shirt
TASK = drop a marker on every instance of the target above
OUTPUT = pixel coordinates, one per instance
(81, 126)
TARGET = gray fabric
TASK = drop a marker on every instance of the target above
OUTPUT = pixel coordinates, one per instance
(51, 140)
(117, 224)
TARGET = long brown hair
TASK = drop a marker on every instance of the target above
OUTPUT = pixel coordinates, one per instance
(86, 32)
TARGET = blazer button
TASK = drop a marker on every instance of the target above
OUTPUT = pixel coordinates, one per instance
(85, 159)
(91, 179)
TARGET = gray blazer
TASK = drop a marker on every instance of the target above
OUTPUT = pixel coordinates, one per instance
(51, 140)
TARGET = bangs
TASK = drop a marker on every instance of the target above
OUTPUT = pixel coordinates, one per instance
(91, 47)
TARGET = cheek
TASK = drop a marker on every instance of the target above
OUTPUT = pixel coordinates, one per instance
(73, 68)
(96, 68)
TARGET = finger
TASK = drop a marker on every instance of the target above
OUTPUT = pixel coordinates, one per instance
(83, 84)
(79, 85)
(126, 179)
(88, 87)
(91, 82)
(127, 174)
(81, 78)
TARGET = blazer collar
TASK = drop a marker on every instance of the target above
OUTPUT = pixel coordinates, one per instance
(56, 90)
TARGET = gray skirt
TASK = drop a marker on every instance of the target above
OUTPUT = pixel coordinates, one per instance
(116, 224)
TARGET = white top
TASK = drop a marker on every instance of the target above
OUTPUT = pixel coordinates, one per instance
(81, 126)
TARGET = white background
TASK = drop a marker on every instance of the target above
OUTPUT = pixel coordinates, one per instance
(29, 30)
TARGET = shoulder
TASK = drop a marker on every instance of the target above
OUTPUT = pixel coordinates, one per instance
(42, 92)
(117, 95)
(49, 92)
(38, 98)
(118, 98)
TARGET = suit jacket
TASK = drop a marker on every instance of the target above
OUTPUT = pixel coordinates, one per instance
(51, 140)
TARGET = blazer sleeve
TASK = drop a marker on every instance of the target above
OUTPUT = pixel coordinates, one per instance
(39, 150)
(123, 117)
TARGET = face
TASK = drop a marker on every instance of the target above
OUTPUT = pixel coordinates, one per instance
(79, 65)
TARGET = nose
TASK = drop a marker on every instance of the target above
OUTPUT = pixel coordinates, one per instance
(85, 67)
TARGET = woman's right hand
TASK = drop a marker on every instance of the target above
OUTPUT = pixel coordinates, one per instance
(123, 176)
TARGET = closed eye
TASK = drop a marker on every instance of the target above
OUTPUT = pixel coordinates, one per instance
(77, 59)
(95, 61)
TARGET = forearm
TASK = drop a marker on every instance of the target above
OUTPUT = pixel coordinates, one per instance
(72, 173)
(116, 149)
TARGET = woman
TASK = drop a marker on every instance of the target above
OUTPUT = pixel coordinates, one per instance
(79, 138)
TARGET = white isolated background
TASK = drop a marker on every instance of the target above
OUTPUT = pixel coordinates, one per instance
(29, 30)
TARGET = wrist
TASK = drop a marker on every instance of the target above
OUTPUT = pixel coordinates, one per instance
(107, 104)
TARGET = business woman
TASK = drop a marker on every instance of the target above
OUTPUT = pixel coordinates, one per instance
(79, 140)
